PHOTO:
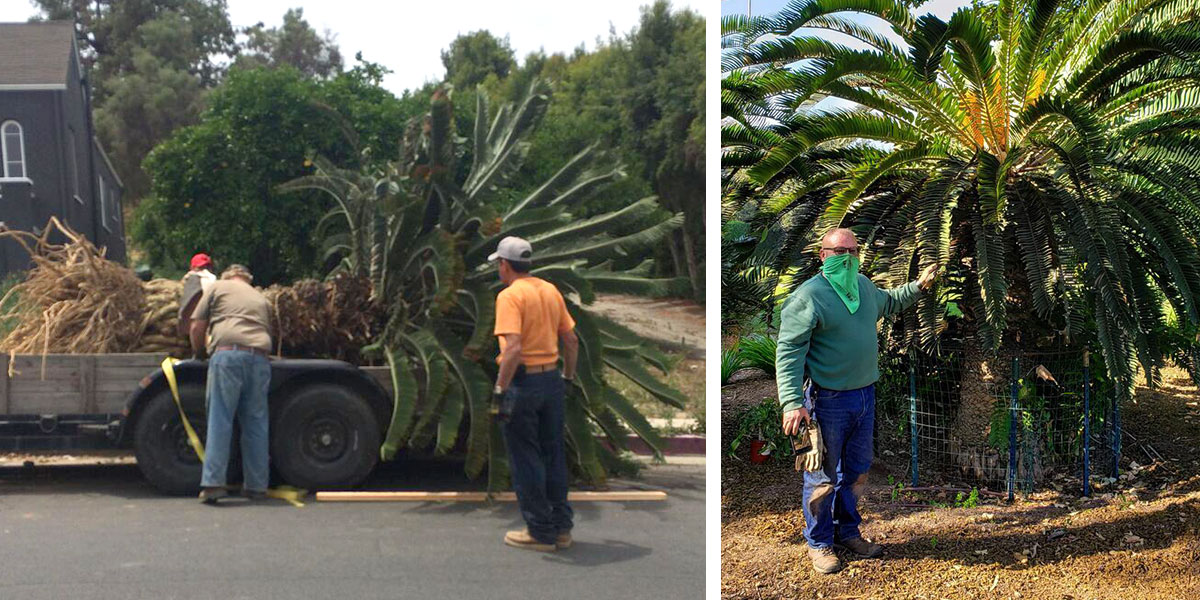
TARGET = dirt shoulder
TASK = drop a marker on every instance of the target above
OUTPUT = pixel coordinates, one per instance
(1138, 539)
(676, 323)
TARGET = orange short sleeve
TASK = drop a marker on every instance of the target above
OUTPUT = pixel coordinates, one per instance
(565, 323)
(508, 314)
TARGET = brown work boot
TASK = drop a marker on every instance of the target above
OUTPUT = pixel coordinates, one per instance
(824, 560)
(521, 539)
(563, 541)
(862, 547)
(210, 495)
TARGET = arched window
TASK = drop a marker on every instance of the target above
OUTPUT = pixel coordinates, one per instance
(12, 140)
(103, 204)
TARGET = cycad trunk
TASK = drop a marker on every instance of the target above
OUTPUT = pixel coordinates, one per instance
(983, 381)
(378, 241)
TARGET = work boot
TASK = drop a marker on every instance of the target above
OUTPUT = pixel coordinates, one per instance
(824, 560)
(563, 541)
(210, 495)
(521, 539)
(862, 547)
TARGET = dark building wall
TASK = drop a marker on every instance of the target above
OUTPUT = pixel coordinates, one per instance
(23, 205)
(99, 216)
(66, 169)
(79, 186)
(111, 231)
(37, 112)
(18, 210)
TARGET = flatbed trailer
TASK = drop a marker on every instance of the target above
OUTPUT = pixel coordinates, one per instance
(328, 417)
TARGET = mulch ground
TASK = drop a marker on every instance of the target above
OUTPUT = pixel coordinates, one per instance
(1138, 537)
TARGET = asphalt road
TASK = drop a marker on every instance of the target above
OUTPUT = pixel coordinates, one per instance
(102, 532)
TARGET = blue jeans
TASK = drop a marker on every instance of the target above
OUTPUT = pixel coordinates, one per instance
(537, 456)
(238, 382)
(847, 420)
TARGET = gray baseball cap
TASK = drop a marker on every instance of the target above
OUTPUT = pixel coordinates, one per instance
(514, 249)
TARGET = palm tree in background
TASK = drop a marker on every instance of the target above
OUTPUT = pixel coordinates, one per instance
(1045, 153)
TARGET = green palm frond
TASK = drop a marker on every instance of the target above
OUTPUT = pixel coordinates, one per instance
(1043, 151)
(421, 234)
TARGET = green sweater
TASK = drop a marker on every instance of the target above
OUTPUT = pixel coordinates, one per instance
(820, 339)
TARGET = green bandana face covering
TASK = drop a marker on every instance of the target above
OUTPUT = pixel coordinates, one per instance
(842, 272)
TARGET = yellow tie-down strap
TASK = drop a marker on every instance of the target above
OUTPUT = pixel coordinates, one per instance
(286, 493)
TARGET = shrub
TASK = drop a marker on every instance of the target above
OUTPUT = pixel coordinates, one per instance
(762, 421)
(731, 362)
(758, 351)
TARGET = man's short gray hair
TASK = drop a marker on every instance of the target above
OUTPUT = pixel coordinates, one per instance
(237, 271)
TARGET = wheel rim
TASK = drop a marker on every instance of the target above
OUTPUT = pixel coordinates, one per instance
(177, 440)
(326, 438)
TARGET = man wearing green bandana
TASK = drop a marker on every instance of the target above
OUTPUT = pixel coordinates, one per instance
(828, 335)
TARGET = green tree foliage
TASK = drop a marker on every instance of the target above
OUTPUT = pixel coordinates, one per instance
(214, 181)
(666, 109)
(642, 96)
(188, 35)
(473, 57)
(1044, 157)
(148, 63)
(586, 108)
(296, 44)
(422, 235)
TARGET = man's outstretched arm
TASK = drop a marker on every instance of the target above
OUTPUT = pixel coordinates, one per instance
(897, 299)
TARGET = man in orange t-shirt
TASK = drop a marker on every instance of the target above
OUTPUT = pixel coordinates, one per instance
(531, 320)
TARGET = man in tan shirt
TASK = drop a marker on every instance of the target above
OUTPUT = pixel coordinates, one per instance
(236, 318)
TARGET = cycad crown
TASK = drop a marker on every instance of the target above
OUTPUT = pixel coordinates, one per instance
(1043, 152)
(422, 237)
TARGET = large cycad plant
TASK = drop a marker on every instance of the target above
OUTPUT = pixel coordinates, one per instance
(1048, 157)
(422, 237)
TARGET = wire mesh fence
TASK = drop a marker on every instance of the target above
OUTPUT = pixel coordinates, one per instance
(1008, 422)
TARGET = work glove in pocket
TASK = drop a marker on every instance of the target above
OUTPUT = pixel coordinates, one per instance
(503, 403)
(809, 448)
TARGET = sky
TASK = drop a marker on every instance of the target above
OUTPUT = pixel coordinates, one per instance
(408, 37)
(940, 8)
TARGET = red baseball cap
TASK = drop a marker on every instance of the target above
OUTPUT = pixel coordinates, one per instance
(201, 260)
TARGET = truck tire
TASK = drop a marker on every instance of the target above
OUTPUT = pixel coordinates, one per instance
(160, 442)
(324, 436)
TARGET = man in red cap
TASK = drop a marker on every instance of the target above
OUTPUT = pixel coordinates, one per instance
(195, 283)
(201, 261)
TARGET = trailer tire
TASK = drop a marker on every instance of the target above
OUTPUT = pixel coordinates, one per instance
(164, 455)
(325, 436)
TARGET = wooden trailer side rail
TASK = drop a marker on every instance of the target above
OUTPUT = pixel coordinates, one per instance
(70, 383)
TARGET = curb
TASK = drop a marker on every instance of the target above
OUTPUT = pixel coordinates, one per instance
(673, 445)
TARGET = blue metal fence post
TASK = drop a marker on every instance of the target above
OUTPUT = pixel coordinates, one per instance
(912, 414)
(1116, 405)
(1087, 426)
(1012, 429)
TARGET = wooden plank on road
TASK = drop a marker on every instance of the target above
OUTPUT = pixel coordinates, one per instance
(627, 496)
